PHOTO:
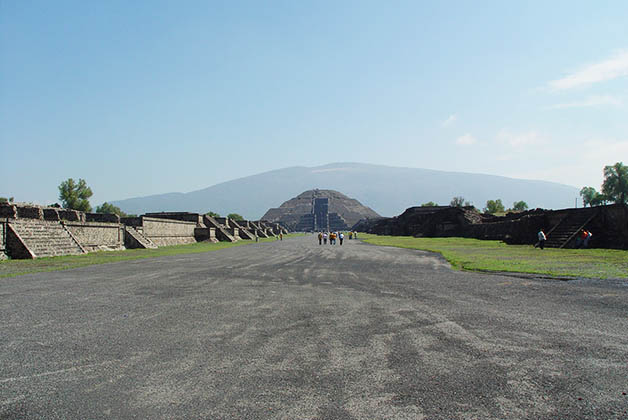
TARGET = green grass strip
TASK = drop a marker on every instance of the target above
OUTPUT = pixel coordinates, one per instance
(480, 255)
(12, 268)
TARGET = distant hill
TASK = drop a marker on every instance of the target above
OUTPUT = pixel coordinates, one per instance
(387, 190)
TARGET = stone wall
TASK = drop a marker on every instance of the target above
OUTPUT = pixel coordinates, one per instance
(71, 215)
(205, 234)
(102, 218)
(609, 224)
(27, 211)
(30, 212)
(95, 236)
(165, 232)
(183, 216)
(8, 211)
(136, 222)
(51, 214)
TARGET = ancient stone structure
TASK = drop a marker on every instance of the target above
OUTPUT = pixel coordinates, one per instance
(32, 231)
(223, 233)
(162, 231)
(28, 231)
(609, 225)
(202, 231)
(316, 210)
(97, 236)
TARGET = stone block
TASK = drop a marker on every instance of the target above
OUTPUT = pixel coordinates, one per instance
(30, 212)
(102, 218)
(8, 211)
(70, 215)
(51, 214)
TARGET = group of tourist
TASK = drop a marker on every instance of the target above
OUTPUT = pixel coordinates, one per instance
(582, 240)
(333, 237)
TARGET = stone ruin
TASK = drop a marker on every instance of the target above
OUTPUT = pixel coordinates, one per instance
(609, 225)
(28, 231)
(319, 210)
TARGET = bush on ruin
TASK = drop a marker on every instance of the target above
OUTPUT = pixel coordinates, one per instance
(106, 208)
(494, 206)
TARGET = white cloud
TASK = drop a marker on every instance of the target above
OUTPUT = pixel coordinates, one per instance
(599, 100)
(611, 68)
(466, 140)
(449, 121)
(519, 140)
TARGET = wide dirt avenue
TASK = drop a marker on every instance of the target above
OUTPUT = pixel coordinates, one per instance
(294, 330)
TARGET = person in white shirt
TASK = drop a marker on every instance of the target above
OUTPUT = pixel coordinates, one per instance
(542, 239)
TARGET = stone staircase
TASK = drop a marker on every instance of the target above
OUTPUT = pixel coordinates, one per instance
(243, 232)
(258, 229)
(135, 239)
(567, 229)
(221, 232)
(45, 239)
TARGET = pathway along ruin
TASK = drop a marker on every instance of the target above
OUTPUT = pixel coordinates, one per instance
(293, 329)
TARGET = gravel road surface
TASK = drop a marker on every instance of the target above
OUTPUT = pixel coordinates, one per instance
(294, 330)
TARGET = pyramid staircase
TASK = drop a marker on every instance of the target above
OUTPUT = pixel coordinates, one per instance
(567, 229)
(45, 239)
(136, 239)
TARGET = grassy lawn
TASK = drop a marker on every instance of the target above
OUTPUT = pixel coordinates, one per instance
(10, 268)
(477, 255)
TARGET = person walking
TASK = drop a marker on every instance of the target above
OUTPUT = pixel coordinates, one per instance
(341, 236)
(325, 238)
(320, 238)
(542, 239)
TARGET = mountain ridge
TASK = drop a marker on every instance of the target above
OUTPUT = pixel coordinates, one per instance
(388, 190)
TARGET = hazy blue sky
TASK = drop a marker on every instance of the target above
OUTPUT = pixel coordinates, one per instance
(149, 97)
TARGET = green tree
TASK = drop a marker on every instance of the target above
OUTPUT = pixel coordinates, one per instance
(6, 200)
(494, 206)
(519, 206)
(75, 195)
(212, 214)
(588, 195)
(107, 208)
(429, 204)
(459, 202)
(235, 216)
(615, 186)
(599, 199)
(591, 197)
